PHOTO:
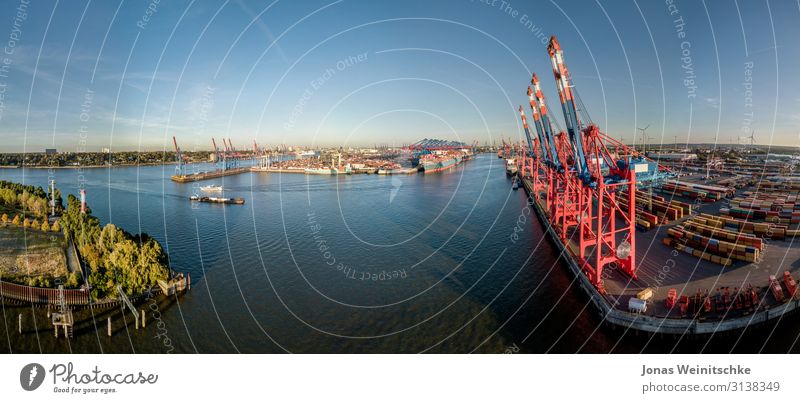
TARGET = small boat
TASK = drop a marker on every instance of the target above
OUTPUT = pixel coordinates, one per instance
(511, 167)
(515, 185)
(222, 200)
(211, 188)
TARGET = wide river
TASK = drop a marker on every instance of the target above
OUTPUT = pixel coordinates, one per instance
(361, 263)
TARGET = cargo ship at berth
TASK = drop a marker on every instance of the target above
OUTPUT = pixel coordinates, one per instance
(441, 160)
(434, 164)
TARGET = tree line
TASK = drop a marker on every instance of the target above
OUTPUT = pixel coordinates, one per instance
(96, 158)
(31, 200)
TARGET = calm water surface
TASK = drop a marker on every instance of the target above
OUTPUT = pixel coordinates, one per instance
(362, 263)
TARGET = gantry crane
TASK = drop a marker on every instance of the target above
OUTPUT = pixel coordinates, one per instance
(583, 179)
(602, 240)
(219, 157)
(180, 159)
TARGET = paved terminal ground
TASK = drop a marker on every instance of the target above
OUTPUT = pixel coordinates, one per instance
(661, 268)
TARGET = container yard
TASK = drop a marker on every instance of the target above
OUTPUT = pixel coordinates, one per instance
(681, 246)
(427, 155)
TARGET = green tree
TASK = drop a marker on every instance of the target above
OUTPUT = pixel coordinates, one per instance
(122, 262)
(99, 282)
(152, 262)
(72, 280)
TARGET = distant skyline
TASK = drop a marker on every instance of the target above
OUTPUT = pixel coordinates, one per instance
(126, 76)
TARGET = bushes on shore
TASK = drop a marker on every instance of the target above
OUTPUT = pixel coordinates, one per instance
(114, 256)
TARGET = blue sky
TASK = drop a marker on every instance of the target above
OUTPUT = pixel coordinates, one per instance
(86, 75)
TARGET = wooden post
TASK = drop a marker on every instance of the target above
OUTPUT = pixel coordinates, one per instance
(136, 320)
(109, 326)
(143, 322)
(20, 323)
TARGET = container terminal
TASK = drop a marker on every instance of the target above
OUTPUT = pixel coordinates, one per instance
(671, 243)
(427, 155)
(227, 162)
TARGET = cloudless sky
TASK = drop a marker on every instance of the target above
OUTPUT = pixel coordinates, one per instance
(87, 75)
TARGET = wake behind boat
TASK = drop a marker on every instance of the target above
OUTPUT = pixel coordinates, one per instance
(211, 188)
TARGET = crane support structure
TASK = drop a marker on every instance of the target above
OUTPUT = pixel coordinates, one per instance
(531, 164)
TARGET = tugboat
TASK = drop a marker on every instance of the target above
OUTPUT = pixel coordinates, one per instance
(222, 200)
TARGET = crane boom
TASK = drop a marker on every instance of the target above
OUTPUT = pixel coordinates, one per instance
(178, 157)
(544, 116)
(531, 150)
(538, 124)
(569, 108)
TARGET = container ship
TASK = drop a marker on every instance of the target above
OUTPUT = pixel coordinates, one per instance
(440, 161)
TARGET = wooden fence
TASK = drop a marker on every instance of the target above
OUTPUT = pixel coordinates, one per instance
(42, 296)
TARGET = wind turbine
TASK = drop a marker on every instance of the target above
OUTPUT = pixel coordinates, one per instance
(650, 184)
(644, 137)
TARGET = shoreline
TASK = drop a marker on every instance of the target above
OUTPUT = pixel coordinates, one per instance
(86, 166)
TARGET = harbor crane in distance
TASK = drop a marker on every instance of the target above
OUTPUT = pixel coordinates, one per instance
(180, 159)
(219, 158)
